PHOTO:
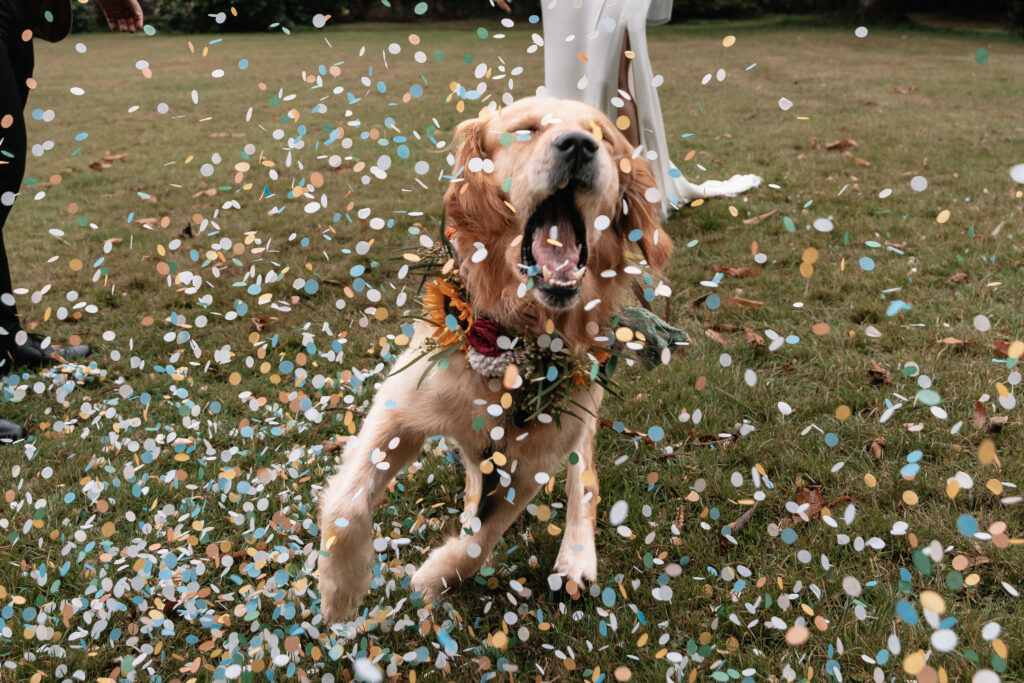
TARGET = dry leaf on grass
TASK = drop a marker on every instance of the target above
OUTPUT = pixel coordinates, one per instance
(335, 444)
(958, 278)
(878, 373)
(835, 144)
(699, 300)
(904, 91)
(857, 161)
(812, 497)
(757, 219)
(877, 448)
(1001, 348)
(715, 336)
(262, 321)
(980, 415)
(738, 271)
(996, 424)
(736, 526)
(953, 341)
(753, 338)
(743, 302)
(628, 432)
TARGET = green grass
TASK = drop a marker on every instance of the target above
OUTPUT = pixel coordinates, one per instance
(87, 506)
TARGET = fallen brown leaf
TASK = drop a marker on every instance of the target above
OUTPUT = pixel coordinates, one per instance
(99, 166)
(262, 321)
(604, 422)
(996, 424)
(734, 527)
(980, 415)
(699, 300)
(953, 341)
(710, 439)
(757, 219)
(753, 338)
(857, 161)
(209, 192)
(715, 336)
(904, 91)
(959, 278)
(738, 271)
(811, 496)
(743, 302)
(723, 327)
(878, 373)
(1000, 347)
(839, 144)
(877, 448)
(335, 444)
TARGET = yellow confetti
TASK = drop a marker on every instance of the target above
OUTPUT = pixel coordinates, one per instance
(986, 452)
(933, 602)
(914, 662)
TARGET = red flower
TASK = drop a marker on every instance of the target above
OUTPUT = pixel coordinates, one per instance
(483, 336)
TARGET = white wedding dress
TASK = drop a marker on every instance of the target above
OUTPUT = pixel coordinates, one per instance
(596, 28)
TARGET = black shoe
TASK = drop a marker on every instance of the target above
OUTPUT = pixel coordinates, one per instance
(10, 431)
(31, 354)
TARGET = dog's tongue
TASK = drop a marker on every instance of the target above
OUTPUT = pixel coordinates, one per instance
(556, 252)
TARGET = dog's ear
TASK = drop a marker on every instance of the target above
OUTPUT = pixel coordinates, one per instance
(474, 199)
(640, 219)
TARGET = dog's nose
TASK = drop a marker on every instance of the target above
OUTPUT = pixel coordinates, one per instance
(576, 149)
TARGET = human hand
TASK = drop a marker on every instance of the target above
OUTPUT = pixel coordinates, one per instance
(122, 15)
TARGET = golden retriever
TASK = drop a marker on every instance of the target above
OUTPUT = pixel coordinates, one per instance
(545, 256)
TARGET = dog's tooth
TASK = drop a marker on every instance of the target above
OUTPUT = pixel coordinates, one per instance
(547, 272)
(580, 272)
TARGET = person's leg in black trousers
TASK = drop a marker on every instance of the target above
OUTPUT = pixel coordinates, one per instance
(17, 348)
(16, 62)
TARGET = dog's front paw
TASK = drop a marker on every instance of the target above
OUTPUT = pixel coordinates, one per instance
(429, 584)
(579, 565)
(337, 604)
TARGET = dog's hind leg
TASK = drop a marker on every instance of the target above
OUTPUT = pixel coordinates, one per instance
(380, 451)
(577, 556)
(462, 556)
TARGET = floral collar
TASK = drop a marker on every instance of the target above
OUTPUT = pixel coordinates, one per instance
(538, 373)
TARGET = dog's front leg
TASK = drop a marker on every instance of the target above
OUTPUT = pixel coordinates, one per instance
(383, 447)
(577, 556)
(463, 556)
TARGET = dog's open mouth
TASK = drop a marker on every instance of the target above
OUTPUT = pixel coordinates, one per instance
(554, 249)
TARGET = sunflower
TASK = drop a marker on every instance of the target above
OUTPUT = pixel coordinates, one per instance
(440, 300)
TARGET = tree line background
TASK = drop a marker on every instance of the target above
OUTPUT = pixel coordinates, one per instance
(200, 16)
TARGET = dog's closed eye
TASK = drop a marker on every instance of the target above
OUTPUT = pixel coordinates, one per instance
(525, 128)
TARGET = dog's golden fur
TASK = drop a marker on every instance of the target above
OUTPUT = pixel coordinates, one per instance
(618, 187)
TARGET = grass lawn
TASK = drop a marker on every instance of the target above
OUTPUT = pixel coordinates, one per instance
(235, 273)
